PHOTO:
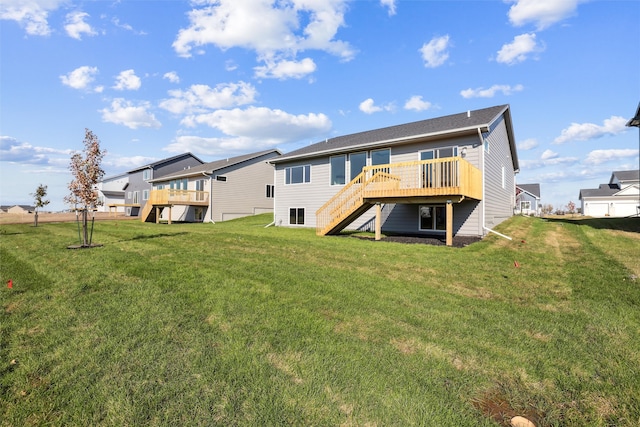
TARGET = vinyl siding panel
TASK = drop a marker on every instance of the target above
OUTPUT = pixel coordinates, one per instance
(499, 199)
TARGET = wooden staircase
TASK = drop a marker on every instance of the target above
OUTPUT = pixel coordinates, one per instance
(407, 182)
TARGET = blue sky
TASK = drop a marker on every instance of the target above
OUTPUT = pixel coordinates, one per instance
(219, 78)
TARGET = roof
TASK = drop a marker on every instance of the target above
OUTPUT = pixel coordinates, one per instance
(461, 123)
(212, 167)
(163, 161)
(625, 176)
(635, 121)
(603, 191)
(533, 189)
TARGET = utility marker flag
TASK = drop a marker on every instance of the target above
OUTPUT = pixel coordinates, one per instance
(10, 284)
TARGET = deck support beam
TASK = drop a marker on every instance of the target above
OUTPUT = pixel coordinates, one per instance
(378, 221)
(449, 211)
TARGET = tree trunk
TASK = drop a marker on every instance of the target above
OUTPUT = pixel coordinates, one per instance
(85, 229)
(35, 219)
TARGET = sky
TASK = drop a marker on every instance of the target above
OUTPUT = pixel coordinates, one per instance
(219, 78)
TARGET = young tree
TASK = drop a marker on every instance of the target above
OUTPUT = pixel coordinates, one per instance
(87, 173)
(571, 207)
(39, 195)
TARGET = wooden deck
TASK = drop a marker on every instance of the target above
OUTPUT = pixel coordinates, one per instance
(167, 198)
(427, 181)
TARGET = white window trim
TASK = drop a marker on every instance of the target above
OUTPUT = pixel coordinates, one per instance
(304, 178)
(431, 230)
(304, 216)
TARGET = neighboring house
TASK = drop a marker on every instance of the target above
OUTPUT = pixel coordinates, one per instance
(448, 175)
(217, 191)
(19, 209)
(139, 185)
(619, 198)
(528, 199)
(111, 191)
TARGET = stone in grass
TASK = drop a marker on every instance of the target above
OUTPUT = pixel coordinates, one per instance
(519, 421)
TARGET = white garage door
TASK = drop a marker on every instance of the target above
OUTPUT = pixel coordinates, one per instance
(597, 209)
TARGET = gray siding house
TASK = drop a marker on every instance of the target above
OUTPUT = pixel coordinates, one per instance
(528, 199)
(138, 188)
(217, 191)
(444, 176)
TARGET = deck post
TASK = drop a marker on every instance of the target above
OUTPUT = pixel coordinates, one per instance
(157, 214)
(169, 214)
(449, 223)
(378, 221)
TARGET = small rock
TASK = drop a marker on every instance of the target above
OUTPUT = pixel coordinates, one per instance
(519, 421)
(13, 362)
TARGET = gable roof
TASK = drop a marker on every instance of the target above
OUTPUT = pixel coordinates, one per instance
(635, 120)
(211, 167)
(533, 189)
(626, 176)
(461, 123)
(163, 161)
(603, 191)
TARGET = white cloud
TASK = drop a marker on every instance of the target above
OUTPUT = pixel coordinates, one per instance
(201, 98)
(490, 92)
(548, 154)
(519, 50)
(368, 107)
(435, 52)
(416, 103)
(391, 5)
(14, 151)
(127, 80)
(127, 27)
(76, 26)
(587, 131)
(172, 76)
(251, 129)
(597, 157)
(271, 29)
(264, 123)
(286, 69)
(543, 13)
(124, 113)
(528, 144)
(31, 15)
(80, 78)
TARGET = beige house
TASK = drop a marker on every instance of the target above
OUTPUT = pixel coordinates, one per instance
(217, 191)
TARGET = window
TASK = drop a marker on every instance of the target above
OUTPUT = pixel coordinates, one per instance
(178, 184)
(200, 194)
(221, 178)
(160, 187)
(136, 197)
(146, 174)
(439, 153)
(296, 216)
(357, 161)
(271, 191)
(380, 157)
(145, 194)
(338, 169)
(525, 205)
(433, 218)
(297, 174)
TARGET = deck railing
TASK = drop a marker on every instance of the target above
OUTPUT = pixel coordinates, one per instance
(451, 176)
(170, 196)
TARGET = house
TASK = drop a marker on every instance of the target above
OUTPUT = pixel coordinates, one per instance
(451, 175)
(111, 193)
(136, 186)
(18, 209)
(619, 198)
(528, 199)
(217, 191)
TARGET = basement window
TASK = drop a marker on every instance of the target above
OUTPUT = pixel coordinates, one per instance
(296, 216)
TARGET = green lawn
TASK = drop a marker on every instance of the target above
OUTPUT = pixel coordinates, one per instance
(237, 324)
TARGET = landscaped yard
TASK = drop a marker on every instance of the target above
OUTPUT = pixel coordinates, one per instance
(237, 324)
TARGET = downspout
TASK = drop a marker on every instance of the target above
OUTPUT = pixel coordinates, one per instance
(210, 197)
(483, 178)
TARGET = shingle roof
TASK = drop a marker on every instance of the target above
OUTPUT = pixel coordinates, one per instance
(401, 133)
(603, 190)
(533, 189)
(211, 167)
(623, 176)
(167, 160)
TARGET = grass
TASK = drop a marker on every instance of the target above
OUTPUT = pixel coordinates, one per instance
(237, 324)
